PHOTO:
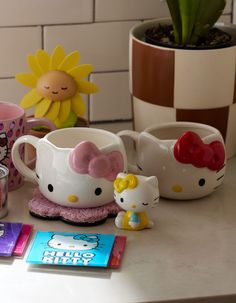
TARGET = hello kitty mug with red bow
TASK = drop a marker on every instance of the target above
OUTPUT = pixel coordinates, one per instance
(75, 167)
(187, 158)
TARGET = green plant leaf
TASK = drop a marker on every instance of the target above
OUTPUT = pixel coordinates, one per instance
(209, 13)
(173, 6)
(189, 12)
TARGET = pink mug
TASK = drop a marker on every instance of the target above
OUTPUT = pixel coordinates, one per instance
(13, 124)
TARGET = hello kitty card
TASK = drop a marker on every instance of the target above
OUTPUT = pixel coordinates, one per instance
(60, 248)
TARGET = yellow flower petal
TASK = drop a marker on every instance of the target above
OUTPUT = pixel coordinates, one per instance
(81, 71)
(87, 87)
(43, 60)
(26, 79)
(70, 61)
(42, 107)
(33, 64)
(58, 55)
(64, 110)
(78, 105)
(30, 99)
(53, 111)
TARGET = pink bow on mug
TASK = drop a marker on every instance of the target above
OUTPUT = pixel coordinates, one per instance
(86, 158)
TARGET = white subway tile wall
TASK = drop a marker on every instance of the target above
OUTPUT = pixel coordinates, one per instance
(115, 106)
(35, 12)
(98, 29)
(15, 44)
(105, 45)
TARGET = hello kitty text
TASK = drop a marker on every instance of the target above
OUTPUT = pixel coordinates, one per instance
(67, 258)
(70, 250)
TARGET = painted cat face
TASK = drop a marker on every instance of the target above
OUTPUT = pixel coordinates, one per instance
(188, 169)
(73, 243)
(85, 179)
(80, 191)
(136, 193)
(3, 146)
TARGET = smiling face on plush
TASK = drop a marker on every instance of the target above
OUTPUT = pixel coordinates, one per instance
(57, 81)
(136, 193)
(56, 85)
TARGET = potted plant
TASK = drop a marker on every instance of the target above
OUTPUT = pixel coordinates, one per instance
(188, 72)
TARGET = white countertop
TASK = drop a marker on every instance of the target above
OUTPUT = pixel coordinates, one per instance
(190, 253)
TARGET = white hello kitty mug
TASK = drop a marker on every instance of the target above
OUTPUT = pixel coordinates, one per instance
(75, 167)
(187, 158)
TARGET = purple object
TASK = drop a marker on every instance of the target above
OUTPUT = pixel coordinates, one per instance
(9, 233)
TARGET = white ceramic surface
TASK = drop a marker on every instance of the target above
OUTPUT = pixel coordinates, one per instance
(68, 171)
(137, 195)
(177, 180)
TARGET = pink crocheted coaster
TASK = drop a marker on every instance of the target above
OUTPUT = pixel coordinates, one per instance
(41, 207)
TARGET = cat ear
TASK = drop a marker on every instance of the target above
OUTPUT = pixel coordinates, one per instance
(152, 181)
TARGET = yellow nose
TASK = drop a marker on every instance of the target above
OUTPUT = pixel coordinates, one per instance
(177, 188)
(72, 198)
(133, 206)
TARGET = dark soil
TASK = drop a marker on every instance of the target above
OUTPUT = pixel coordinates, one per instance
(163, 35)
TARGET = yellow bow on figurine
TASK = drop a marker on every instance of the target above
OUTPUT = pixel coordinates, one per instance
(130, 181)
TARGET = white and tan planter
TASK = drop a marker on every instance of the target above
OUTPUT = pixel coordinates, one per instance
(168, 85)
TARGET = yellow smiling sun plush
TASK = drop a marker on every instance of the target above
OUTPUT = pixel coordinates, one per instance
(56, 83)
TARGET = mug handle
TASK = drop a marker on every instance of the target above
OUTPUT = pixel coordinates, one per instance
(16, 158)
(39, 121)
(134, 136)
(31, 122)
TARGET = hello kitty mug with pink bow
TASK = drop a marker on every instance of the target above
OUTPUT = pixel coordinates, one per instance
(187, 158)
(75, 167)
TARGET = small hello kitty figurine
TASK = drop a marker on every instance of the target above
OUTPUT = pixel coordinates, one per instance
(135, 194)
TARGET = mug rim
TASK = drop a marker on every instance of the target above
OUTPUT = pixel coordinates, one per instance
(20, 111)
(147, 131)
(82, 130)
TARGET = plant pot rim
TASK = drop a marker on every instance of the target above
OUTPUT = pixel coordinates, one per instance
(137, 33)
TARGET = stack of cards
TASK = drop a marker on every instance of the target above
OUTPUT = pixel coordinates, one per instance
(14, 238)
(71, 249)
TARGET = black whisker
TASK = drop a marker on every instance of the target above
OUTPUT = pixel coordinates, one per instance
(220, 178)
(139, 167)
(156, 198)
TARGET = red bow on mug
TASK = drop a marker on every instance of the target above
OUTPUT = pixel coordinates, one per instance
(190, 149)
